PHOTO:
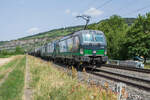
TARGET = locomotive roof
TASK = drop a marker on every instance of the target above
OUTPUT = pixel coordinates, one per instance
(80, 32)
(88, 31)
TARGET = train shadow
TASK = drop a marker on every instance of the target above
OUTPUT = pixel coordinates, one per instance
(79, 68)
(87, 68)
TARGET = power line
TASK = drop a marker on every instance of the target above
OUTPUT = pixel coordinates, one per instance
(102, 5)
(105, 3)
(140, 9)
(126, 7)
(91, 3)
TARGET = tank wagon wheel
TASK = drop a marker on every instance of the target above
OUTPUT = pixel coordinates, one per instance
(55, 60)
(79, 66)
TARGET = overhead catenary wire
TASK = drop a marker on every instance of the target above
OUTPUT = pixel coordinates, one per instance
(131, 3)
(108, 1)
(102, 5)
(135, 11)
(140, 9)
(91, 3)
(105, 3)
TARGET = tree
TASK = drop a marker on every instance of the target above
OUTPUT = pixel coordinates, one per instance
(138, 37)
(114, 29)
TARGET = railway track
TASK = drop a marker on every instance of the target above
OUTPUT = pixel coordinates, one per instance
(134, 85)
(119, 77)
(134, 81)
(128, 68)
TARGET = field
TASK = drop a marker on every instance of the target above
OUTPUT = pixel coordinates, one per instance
(12, 79)
(32, 78)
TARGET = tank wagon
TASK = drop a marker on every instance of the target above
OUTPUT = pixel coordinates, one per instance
(85, 46)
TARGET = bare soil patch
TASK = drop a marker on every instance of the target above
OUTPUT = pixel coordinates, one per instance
(5, 60)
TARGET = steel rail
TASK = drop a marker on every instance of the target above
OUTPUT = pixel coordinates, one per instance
(147, 88)
(127, 68)
(134, 81)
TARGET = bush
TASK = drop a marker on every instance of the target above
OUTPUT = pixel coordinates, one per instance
(7, 53)
(19, 50)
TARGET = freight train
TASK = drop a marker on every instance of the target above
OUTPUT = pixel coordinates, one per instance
(81, 47)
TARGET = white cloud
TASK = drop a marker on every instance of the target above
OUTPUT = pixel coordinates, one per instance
(33, 30)
(67, 11)
(93, 12)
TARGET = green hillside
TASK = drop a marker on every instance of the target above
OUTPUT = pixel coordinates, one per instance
(54, 33)
(65, 31)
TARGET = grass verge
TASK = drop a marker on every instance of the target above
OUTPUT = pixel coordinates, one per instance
(5, 56)
(50, 84)
(12, 88)
(147, 66)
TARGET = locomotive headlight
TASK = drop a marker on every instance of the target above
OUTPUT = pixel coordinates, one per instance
(81, 51)
(94, 51)
(105, 52)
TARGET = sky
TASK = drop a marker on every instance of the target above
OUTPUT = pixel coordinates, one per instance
(20, 18)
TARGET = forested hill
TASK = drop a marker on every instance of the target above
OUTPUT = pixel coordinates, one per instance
(55, 32)
(41, 38)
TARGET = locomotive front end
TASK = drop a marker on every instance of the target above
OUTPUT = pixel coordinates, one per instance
(93, 47)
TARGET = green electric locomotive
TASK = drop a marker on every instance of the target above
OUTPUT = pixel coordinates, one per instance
(85, 46)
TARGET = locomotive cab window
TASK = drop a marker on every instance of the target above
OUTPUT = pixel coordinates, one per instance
(87, 37)
(93, 38)
(98, 38)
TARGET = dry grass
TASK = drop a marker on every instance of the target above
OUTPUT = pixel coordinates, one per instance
(50, 84)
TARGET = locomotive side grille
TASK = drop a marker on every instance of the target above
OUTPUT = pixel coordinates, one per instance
(93, 46)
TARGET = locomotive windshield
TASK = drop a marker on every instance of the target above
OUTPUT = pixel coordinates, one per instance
(93, 38)
(87, 37)
(98, 38)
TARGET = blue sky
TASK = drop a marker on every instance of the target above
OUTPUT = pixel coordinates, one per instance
(20, 18)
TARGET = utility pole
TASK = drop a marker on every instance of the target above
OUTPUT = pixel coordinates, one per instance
(86, 18)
